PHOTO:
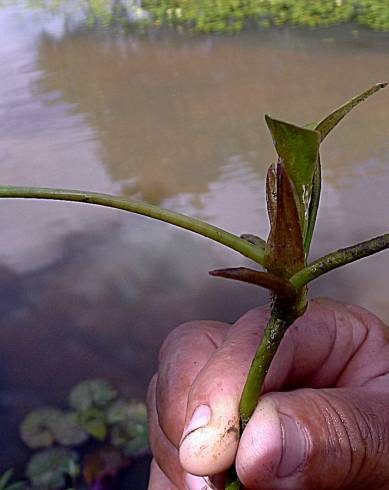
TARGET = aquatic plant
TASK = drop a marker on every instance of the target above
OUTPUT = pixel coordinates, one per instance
(293, 189)
(220, 15)
(113, 429)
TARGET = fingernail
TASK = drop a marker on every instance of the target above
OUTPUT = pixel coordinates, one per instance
(294, 447)
(201, 417)
(196, 482)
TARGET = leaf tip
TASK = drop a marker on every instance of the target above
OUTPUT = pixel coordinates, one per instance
(269, 121)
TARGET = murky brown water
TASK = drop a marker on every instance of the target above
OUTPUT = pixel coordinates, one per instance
(176, 121)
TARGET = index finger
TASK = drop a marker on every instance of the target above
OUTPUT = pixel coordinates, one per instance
(183, 355)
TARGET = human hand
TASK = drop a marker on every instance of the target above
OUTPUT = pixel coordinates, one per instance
(322, 422)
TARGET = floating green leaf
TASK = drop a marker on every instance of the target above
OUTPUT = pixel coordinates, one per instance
(139, 441)
(45, 426)
(97, 428)
(298, 150)
(126, 411)
(48, 469)
(94, 422)
(91, 393)
(129, 431)
(68, 431)
(36, 430)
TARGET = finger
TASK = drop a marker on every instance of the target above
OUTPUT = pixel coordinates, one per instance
(184, 353)
(166, 465)
(168, 469)
(317, 439)
(158, 479)
(360, 370)
(165, 454)
(211, 434)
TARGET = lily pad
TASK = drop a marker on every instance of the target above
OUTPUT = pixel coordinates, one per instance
(139, 443)
(45, 426)
(126, 410)
(96, 428)
(93, 421)
(48, 468)
(68, 431)
(91, 393)
(129, 430)
(36, 430)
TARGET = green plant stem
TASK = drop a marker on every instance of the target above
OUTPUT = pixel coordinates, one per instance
(339, 258)
(254, 252)
(278, 323)
(282, 316)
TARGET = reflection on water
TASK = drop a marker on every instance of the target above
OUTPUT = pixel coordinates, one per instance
(176, 121)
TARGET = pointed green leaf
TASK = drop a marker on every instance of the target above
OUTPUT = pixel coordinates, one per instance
(284, 248)
(298, 150)
(325, 127)
(328, 123)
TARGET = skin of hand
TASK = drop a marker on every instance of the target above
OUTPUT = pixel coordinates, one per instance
(322, 421)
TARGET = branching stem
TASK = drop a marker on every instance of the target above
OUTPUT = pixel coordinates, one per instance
(339, 258)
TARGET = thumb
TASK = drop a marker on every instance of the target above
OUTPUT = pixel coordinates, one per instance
(317, 439)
